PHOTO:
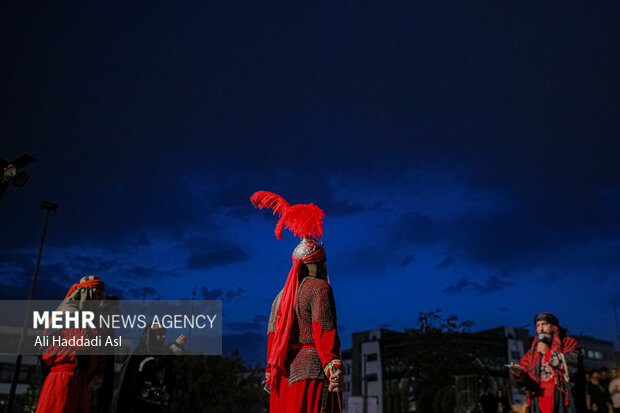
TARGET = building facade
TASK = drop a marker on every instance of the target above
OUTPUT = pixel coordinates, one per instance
(380, 380)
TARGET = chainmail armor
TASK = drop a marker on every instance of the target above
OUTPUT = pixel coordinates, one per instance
(271, 327)
(315, 302)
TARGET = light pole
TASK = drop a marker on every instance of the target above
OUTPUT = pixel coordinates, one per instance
(365, 375)
(49, 207)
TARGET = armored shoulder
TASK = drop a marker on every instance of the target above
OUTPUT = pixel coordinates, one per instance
(315, 284)
(315, 298)
(271, 327)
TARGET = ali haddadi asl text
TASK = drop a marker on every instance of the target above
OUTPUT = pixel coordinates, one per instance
(44, 341)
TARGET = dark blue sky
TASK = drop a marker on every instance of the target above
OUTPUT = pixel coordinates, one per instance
(465, 155)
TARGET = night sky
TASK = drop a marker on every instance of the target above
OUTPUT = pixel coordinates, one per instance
(466, 156)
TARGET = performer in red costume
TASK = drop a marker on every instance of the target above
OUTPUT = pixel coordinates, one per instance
(70, 378)
(552, 370)
(304, 368)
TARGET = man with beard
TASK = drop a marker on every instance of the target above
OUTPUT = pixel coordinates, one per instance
(149, 375)
(71, 377)
(552, 370)
(304, 368)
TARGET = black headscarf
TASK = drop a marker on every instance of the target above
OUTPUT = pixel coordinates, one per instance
(548, 317)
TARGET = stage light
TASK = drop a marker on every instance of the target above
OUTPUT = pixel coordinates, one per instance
(12, 173)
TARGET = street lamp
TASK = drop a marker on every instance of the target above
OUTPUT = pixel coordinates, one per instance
(365, 400)
(49, 207)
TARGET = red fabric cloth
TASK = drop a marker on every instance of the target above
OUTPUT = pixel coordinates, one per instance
(558, 346)
(532, 358)
(327, 345)
(61, 393)
(545, 400)
(88, 283)
(278, 344)
(306, 396)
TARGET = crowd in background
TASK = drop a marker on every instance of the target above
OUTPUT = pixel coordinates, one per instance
(603, 391)
(602, 394)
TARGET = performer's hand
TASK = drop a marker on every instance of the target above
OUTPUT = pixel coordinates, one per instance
(181, 340)
(336, 381)
(516, 370)
(95, 382)
(542, 347)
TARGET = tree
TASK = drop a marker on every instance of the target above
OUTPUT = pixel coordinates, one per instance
(436, 350)
(217, 384)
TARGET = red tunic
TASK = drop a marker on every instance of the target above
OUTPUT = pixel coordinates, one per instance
(546, 376)
(61, 393)
(305, 396)
(314, 348)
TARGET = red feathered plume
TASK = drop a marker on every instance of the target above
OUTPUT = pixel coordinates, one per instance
(301, 219)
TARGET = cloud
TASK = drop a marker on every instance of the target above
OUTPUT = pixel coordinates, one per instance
(219, 294)
(445, 263)
(415, 228)
(117, 292)
(218, 258)
(373, 262)
(460, 285)
(139, 272)
(344, 207)
(15, 266)
(143, 293)
(212, 253)
(86, 264)
(177, 123)
(16, 272)
(252, 345)
(491, 284)
(258, 323)
(47, 289)
(407, 259)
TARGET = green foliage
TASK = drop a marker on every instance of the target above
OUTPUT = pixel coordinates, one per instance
(217, 384)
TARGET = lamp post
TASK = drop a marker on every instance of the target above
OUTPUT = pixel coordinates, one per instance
(365, 375)
(49, 207)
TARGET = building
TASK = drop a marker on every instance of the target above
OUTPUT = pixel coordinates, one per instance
(596, 353)
(498, 347)
(379, 377)
(381, 380)
(29, 377)
(348, 374)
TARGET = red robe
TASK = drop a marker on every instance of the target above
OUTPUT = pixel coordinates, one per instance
(61, 393)
(313, 352)
(548, 378)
